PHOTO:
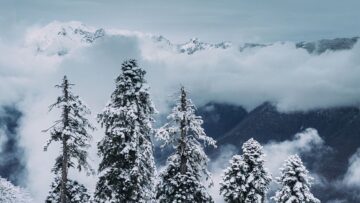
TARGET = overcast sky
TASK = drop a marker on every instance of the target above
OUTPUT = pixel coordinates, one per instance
(231, 20)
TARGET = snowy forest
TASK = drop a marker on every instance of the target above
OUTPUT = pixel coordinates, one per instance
(127, 171)
(202, 101)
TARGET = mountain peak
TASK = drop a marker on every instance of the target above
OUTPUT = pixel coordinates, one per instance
(194, 45)
(57, 38)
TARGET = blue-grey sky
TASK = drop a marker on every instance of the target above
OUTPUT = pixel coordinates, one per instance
(230, 20)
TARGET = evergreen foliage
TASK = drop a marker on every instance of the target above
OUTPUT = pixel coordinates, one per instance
(71, 131)
(181, 181)
(75, 192)
(12, 194)
(295, 183)
(127, 167)
(246, 180)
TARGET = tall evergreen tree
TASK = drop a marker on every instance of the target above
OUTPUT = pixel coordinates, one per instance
(246, 180)
(127, 167)
(295, 183)
(71, 131)
(181, 181)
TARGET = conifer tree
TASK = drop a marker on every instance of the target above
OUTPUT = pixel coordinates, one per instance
(295, 183)
(181, 181)
(246, 180)
(127, 167)
(12, 194)
(71, 131)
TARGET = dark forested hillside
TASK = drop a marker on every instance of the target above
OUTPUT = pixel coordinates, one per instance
(12, 165)
(338, 127)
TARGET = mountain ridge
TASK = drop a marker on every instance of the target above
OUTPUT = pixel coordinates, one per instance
(68, 35)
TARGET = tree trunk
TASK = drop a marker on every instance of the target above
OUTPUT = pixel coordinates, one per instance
(183, 157)
(64, 173)
(64, 167)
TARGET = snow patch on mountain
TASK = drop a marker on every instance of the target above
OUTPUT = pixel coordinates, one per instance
(190, 47)
(195, 45)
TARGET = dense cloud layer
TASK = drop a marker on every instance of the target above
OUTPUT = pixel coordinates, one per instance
(289, 77)
(281, 73)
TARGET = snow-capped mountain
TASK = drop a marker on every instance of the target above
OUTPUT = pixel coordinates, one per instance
(320, 46)
(59, 38)
(190, 47)
(314, 47)
(195, 45)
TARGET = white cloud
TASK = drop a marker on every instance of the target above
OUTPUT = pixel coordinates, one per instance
(352, 176)
(289, 77)
(280, 73)
(302, 143)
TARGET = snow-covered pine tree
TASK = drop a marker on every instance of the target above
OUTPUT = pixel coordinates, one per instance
(12, 194)
(71, 131)
(246, 180)
(127, 167)
(233, 187)
(295, 183)
(75, 192)
(181, 181)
